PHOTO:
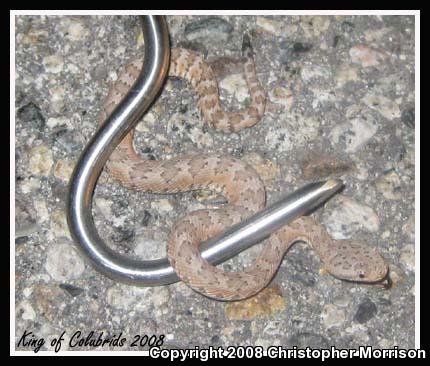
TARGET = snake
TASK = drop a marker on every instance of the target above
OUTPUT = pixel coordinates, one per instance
(235, 180)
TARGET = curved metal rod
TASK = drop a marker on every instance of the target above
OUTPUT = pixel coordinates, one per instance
(108, 136)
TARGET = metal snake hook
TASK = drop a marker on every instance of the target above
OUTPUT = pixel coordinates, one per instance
(96, 153)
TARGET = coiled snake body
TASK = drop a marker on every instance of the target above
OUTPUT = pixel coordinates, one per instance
(236, 181)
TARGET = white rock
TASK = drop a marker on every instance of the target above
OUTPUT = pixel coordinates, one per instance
(366, 56)
(347, 217)
(332, 316)
(63, 169)
(77, 31)
(53, 64)
(40, 160)
(162, 205)
(41, 210)
(235, 85)
(345, 74)
(26, 310)
(57, 121)
(63, 263)
(355, 133)
(59, 225)
(269, 25)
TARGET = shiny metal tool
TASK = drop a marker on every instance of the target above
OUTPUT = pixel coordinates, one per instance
(120, 122)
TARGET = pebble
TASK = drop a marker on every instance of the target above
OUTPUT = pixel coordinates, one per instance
(344, 217)
(366, 311)
(332, 316)
(40, 160)
(236, 86)
(265, 303)
(41, 210)
(63, 169)
(354, 133)
(345, 74)
(59, 225)
(71, 290)
(53, 63)
(321, 166)
(390, 186)
(25, 310)
(208, 30)
(63, 263)
(77, 32)
(53, 122)
(31, 115)
(163, 205)
(366, 56)
(407, 257)
(386, 107)
(269, 26)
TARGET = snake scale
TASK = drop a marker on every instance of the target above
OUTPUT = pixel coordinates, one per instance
(236, 181)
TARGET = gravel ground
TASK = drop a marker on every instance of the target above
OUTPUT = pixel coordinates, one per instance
(341, 104)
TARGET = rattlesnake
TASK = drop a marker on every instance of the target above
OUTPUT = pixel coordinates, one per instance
(236, 181)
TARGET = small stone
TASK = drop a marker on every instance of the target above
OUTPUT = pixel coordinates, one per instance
(71, 290)
(408, 117)
(163, 206)
(63, 169)
(383, 105)
(344, 217)
(265, 168)
(40, 160)
(366, 56)
(41, 210)
(355, 133)
(314, 25)
(390, 186)
(76, 31)
(48, 299)
(31, 116)
(321, 166)
(236, 86)
(53, 64)
(63, 263)
(59, 225)
(366, 311)
(265, 303)
(57, 122)
(345, 74)
(407, 257)
(332, 316)
(269, 25)
(25, 311)
(208, 30)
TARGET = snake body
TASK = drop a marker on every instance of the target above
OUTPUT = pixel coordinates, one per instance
(236, 181)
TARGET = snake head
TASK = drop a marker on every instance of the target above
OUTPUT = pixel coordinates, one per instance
(358, 263)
